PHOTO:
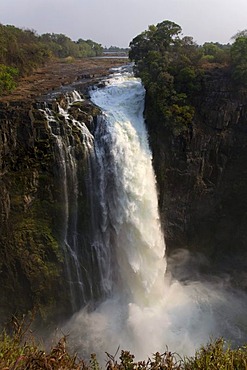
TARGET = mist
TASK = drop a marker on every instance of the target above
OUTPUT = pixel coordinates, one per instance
(191, 313)
(179, 307)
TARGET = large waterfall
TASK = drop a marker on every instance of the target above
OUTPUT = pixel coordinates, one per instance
(143, 309)
(132, 239)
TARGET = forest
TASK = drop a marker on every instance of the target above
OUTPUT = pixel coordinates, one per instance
(23, 50)
(172, 67)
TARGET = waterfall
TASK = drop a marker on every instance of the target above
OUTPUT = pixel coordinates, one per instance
(128, 242)
(132, 238)
(127, 247)
(143, 309)
(66, 153)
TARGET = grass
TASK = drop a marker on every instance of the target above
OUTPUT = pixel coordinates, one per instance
(18, 351)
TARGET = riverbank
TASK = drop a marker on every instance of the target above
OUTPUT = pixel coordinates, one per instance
(58, 74)
(32, 202)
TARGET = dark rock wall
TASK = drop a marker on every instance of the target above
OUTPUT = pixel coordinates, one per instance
(32, 268)
(201, 180)
(202, 175)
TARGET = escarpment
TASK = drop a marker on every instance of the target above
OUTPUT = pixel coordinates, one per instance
(202, 173)
(45, 142)
(39, 147)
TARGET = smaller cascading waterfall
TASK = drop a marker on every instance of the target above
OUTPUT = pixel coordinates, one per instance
(68, 177)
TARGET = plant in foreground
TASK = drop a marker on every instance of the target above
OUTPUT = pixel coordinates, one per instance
(18, 351)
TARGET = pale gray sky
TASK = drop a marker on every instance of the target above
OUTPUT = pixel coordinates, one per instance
(117, 22)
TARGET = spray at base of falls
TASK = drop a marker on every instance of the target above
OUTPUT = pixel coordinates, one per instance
(144, 310)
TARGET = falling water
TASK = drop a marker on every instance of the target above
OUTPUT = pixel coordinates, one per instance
(143, 310)
(127, 193)
(65, 151)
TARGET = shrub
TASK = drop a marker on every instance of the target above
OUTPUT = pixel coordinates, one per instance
(7, 79)
(19, 352)
(219, 356)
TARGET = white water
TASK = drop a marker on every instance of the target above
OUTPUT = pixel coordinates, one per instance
(127, 191)
(68, 182)
(145, 310)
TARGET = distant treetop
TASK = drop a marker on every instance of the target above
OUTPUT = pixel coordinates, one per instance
(22, 50)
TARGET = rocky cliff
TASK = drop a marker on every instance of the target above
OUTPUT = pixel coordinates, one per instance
(201, 178)
(202, 175)
(32, 205)
(43, 202)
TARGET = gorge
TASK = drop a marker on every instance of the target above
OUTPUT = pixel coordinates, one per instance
(200, 178)
(147, 308)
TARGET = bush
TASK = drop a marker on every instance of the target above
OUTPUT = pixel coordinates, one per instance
(239, 60)
(7, 79)
(219, 356)
(18, 351)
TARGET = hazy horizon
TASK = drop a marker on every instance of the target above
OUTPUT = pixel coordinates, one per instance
(114, 22)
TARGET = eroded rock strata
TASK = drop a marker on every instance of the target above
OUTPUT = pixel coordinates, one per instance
(202, 176)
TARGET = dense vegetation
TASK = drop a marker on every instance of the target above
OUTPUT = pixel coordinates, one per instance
(23, 50)
(19, 351)
(172, 69)
(116, 50)
(239, 58)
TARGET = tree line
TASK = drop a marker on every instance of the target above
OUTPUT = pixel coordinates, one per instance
(172, 68)
(23, 50)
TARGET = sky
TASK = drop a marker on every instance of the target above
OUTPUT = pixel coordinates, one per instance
(117, 22)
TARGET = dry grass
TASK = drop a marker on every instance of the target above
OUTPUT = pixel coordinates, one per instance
(18, 351)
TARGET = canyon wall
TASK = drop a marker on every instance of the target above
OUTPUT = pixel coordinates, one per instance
(201, 180)
(33, 208)
(202, 175)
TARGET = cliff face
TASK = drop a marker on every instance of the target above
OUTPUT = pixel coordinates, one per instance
(44, 179)
(201, 178)
(202, 175)
(33, 214)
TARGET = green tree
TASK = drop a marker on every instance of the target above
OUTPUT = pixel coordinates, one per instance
(140, 46)
(21, 49)
(89, 48)
(165, 35)
(156, 38)
(96, 48)
(239, 60)
(167, 65)
(64, 46)
(215, 52)
(7, 78)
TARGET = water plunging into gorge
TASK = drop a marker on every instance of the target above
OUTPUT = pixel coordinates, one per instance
(127, 245)
(132, 238)
(139, 307)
